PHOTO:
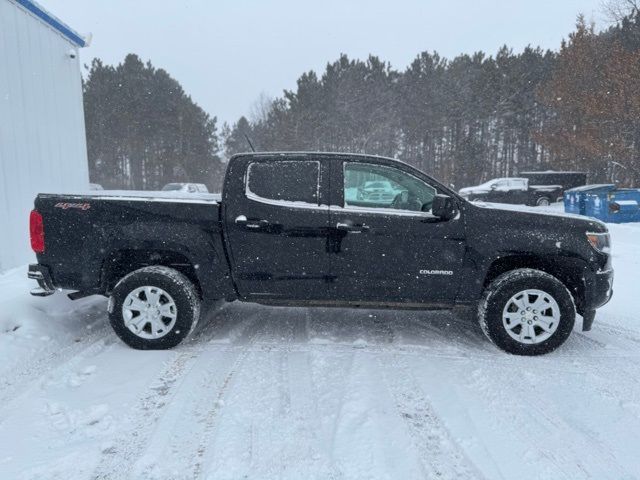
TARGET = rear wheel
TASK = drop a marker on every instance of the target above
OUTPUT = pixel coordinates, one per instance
(154, 308)
(527, 312)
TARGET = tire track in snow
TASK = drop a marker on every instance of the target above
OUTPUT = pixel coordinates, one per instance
(281, 427)
(439, 454)
(304, 406)
(281, 329)
(163, 394)
(617, 331)
(211, 416)
(542, 435)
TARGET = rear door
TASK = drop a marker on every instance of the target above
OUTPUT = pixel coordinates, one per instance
(277, 227)
(391, 251)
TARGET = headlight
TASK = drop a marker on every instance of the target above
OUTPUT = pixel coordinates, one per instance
(600, 241)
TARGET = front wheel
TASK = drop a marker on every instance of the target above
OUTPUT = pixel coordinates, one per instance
(527, 312)
(543, 202)
(154, 308)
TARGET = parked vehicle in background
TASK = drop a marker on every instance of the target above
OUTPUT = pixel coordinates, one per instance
(513, 190)
(567, 180)
(186, 187)
(530, 188)
(285, 232)
(377, 191)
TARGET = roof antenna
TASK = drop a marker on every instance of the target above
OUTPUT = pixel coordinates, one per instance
(249, 142)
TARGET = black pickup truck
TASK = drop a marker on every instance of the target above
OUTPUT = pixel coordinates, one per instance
(516, 190)
(291, 229)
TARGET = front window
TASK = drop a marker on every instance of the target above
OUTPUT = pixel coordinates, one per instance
(284, 181)
(377, 186)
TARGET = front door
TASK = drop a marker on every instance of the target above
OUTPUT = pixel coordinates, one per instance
(277, 229)
(389, 248)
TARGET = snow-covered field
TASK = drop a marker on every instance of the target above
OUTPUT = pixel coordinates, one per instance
(296, 393)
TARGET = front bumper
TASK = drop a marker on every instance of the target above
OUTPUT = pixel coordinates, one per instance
(598, 291)
(41, 274)
(601, 290)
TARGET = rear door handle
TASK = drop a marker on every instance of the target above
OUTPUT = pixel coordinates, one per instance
(351, 228)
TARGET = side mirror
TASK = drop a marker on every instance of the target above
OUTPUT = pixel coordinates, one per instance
(493, 187)
(444, 207)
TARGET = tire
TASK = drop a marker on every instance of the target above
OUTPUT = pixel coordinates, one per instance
(543, 202)
(543, 329)
(164, 301)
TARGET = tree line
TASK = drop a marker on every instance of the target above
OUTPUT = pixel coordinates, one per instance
(463, 120)
(144, 131)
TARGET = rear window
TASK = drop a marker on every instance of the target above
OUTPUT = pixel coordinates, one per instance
(288, 181)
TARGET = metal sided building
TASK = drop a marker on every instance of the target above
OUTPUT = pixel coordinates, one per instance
(42, 133)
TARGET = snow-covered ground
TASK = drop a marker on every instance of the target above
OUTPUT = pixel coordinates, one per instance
(296, 393)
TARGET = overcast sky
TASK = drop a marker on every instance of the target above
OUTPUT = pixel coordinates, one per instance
(225, 53)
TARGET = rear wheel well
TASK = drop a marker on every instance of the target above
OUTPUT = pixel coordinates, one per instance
(565, 270)
(123, 262)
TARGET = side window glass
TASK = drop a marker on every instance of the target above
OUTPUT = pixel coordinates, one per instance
(377, 186)
(501, 185)
(283, 181)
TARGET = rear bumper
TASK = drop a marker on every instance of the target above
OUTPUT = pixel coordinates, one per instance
(41, 274)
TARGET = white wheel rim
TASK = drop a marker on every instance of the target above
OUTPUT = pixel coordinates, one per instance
(531, 316)
(149, 312)
(543, 202)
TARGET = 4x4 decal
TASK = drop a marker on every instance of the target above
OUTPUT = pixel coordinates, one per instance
(79, 206)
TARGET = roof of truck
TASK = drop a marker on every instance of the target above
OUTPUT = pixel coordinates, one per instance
(315, 154)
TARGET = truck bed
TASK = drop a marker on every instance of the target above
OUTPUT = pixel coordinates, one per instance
(88, 233)
(141, 195)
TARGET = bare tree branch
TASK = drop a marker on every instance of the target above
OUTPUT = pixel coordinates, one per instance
(616, 10)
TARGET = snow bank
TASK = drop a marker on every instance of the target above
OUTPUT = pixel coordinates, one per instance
(32, 324)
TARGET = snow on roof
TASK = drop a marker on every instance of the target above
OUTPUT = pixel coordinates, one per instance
(53, 22)
(592, 186)
(550, 172)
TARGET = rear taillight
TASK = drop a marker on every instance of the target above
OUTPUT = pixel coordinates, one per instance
(36, 229)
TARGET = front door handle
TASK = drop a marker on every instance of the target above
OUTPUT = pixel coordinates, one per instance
(252, 223)
(351, 228)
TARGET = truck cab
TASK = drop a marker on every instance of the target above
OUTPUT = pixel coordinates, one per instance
(339, 248)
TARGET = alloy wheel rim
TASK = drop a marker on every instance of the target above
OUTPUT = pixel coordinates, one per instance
(149, 312)
(531, 316)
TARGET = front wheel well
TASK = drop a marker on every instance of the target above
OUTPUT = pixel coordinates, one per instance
(122, 262)
(567, 270)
